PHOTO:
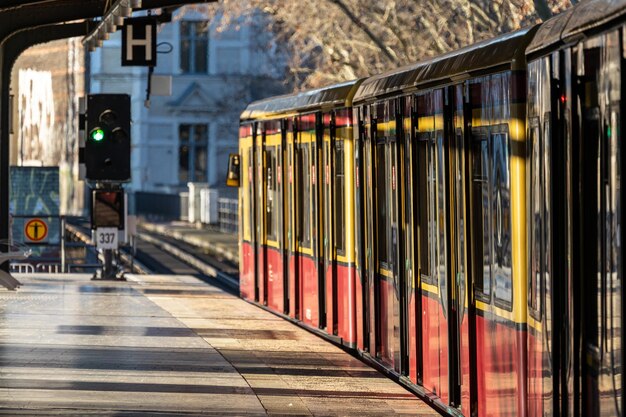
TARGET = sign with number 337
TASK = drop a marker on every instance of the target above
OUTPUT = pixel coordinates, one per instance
(106, 237)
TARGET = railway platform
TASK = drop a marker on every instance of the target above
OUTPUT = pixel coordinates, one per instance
(165, 345)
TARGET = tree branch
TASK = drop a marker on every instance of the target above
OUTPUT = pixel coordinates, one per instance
(385, 49)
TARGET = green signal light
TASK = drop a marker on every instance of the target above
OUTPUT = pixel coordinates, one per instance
(97, 135)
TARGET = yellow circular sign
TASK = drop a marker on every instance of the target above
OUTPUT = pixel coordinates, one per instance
(36, 230)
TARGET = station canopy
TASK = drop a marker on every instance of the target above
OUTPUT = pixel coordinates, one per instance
(21, 14)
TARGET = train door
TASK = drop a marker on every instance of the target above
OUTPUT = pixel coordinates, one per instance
(458, 316)
(433, 255)
(285, 214)
(412, 325)
(247, 230)
(360, 180)
(292, 211)
(564, 176)
(550, 318)
(599, 69)
(343, 227)
(547, 236)
(327, 238)
(260, 187)
(496, 200)
(274, 218)
(317, 220)
(388, 234)
(306, 214)
(371, 299)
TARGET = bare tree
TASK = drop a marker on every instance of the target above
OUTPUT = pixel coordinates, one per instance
(543, 9)
(330, 41)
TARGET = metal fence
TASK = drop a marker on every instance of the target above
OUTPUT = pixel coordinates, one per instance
(51, 268)
(228, 214)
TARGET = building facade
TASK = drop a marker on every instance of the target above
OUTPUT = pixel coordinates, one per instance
(46, 81)
(216, 70)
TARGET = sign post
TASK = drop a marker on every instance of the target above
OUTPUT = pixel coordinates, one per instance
(108, 219)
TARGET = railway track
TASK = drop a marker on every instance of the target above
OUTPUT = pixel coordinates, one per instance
(159, 254)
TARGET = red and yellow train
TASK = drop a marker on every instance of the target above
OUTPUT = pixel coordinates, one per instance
(457, 221)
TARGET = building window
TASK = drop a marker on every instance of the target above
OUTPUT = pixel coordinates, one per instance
(192, 153)
(194, 47)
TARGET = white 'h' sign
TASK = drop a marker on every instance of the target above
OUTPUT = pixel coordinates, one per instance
(139, 42)
(131, 42)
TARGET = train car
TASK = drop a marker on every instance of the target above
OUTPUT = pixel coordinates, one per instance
(457, 221)
(441, 150)
(296, 205)
(575, 303)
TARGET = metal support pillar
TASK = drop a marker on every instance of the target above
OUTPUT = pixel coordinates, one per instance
(10, 49)
(107, 267)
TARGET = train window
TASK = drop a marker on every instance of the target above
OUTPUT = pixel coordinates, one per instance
(249, 203)
(481, 220)
(439, 220)
(613, 225)
(382, 204)
(431, 173)
(546, 250)
(368, 180)
(259, 190)
(303, 193)
(271, 197)
(422, 197)
(306, 196)
(501, 220)
(340, 193)
(535, 221)
(459, 211)
(409, 219)
(431, 207)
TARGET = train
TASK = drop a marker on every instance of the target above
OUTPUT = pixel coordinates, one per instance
(457, 221)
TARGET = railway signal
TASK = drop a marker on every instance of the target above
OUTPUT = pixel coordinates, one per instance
(107, 145)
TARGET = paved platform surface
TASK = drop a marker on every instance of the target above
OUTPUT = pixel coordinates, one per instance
(210, 239)
(169, 346)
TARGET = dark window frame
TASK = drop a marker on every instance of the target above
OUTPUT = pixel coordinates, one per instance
(189, 33)
(250, 198)
(480, 138)
(424, 144)
(193, 145)
(382, 224)
(340, 192)
(383, 137)
(502, 130)
(303, 191)
(535, 303)
(483, 138)
(460, 215)
(272, 202)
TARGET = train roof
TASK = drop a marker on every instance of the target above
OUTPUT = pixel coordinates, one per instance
(338, 95)
(585, 17)
(499, 51)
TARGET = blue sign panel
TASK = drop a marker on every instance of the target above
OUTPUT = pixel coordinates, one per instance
(35, 194)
